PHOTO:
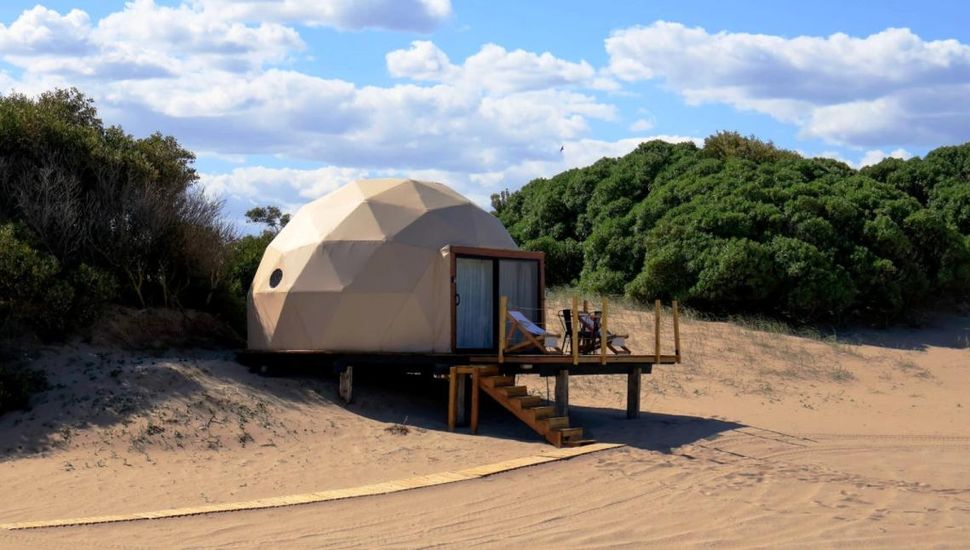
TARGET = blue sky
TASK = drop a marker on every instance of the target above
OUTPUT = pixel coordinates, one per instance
(285, 100)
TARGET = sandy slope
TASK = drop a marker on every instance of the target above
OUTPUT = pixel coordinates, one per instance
(759, 438)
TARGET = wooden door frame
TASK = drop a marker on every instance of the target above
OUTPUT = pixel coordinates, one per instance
(454, 252)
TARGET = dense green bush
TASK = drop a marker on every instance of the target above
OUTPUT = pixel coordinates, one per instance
(563, 257)
(242, 260)
(17, 383)
(244, 257)
(37, 294)
(101, 215)
(741, 226)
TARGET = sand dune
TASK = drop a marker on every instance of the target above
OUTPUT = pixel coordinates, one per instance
(760, 438)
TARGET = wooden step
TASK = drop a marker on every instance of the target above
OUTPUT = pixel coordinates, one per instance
(513, 391)
(554, 423)
(529, 409)
(569, 434)
(497, 381)
(526, 402)
(542, 411)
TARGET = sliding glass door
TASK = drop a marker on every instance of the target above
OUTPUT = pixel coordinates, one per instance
(479, 282)
(474, 303)
(519, 280)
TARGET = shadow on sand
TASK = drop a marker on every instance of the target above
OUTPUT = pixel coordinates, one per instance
(98, 388)
(938, 331)
(422, 402)
(92, 388)
(652, 431)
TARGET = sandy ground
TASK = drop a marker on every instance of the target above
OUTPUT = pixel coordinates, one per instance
(760, 438)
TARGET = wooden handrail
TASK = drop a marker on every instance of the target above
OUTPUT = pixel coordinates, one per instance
(656, 329)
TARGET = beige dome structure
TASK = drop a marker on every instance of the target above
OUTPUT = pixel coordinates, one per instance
(370, 267)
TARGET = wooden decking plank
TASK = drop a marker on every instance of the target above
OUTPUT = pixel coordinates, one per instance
(388, 487)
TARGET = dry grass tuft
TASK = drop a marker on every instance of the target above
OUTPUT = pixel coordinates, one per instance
(399, 428)
(913, 369)
(840, 374)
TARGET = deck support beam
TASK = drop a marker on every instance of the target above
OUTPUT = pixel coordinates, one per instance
(633, 393)
(452, 397)
(346, 388)
(562, 393)
(461, 409)
(475, 383)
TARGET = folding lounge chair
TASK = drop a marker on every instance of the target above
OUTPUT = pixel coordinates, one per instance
(533, 336)
(591, 325)
(566, 320)
(584, 335)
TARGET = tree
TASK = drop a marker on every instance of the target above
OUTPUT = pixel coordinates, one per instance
(499, 200)
(270, 216)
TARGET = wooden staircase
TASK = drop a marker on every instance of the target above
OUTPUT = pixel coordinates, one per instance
(533, 411)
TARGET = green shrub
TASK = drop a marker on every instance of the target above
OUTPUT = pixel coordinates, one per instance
(37, 295)
(117, 215)
(29, 290)
(17, 383)
(740, 225)
(564, 259)
(244, 255)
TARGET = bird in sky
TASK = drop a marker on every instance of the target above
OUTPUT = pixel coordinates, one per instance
(563, 148)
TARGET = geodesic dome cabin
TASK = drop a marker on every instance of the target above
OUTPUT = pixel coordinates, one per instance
(390, 266)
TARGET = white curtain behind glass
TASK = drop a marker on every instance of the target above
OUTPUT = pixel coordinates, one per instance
(474, 323)
(519, 280)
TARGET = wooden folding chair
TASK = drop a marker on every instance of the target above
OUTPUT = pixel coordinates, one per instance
(531, 334)
(591, 325)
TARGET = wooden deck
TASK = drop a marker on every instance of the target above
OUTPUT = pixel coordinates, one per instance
(587, 364)
(551, 359)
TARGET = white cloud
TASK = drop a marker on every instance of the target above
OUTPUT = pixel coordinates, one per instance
(493, 69)
(401, 15)
(496, 69)
(143, 41)
(642, 125)
(231, 159)
(875, 156)
(889, 87)
(334, 121)
(261, 185)
(40, 31)
(870, 157)
(219, 83)
(423, 61)
(191, 35)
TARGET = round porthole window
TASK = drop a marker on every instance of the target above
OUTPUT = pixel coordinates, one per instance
(275, 277)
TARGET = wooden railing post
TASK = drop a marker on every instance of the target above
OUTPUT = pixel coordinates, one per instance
(656, 331)
(461, 403)
(575, 331)
(676, 331)
(604, 332)
(475, 383)
(503, 307)
(452, 398)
